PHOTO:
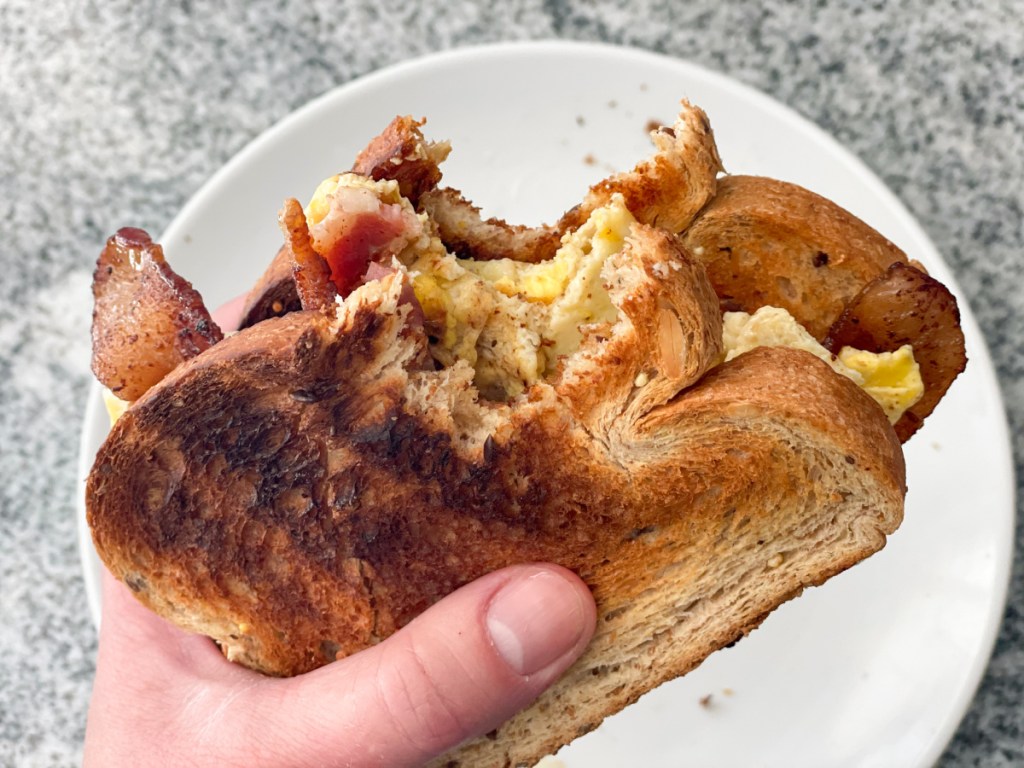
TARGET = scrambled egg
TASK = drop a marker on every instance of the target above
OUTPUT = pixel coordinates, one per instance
(570, 283)
(320, 204)
(893, 379)
(115, 405)
(510, 320)
(513, 320)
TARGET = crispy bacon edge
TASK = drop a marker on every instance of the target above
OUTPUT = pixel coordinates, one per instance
(146, 319)
(312, 275)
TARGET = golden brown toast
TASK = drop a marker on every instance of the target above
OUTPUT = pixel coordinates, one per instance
(771, 243)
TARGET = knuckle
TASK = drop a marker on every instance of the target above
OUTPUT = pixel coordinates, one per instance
(415, 695)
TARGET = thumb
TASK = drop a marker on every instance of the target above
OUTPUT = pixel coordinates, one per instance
(457, 671)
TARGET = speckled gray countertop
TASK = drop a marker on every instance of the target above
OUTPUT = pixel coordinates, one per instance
(117, 112)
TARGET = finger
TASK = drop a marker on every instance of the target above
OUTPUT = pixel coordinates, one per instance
(132, 636)
(229, 315)
(153, 678)
(458, 671)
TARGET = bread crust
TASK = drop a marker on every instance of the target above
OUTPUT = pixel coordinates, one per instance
(906, 306)
(275, 293)
(665, 190)
(295, 491)
(769, 243)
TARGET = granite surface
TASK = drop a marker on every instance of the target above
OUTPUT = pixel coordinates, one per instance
(118, 111)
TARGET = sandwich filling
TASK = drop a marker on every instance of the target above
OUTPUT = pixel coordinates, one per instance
(893, 379)
(513, 321)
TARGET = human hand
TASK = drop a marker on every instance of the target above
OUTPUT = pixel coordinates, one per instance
(163, 697)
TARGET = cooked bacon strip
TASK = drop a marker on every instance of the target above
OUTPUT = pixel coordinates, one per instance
(401, 153)
(359, 229)
(310, 271)
(146, 319)
(665, 190)
(906, 306)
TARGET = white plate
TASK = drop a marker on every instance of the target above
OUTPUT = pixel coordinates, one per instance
(877, 667)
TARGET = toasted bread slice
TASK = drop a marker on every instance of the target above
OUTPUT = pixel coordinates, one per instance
(771, 243)
(295, 490)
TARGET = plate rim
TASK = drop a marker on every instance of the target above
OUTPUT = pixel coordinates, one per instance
(981, 356)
